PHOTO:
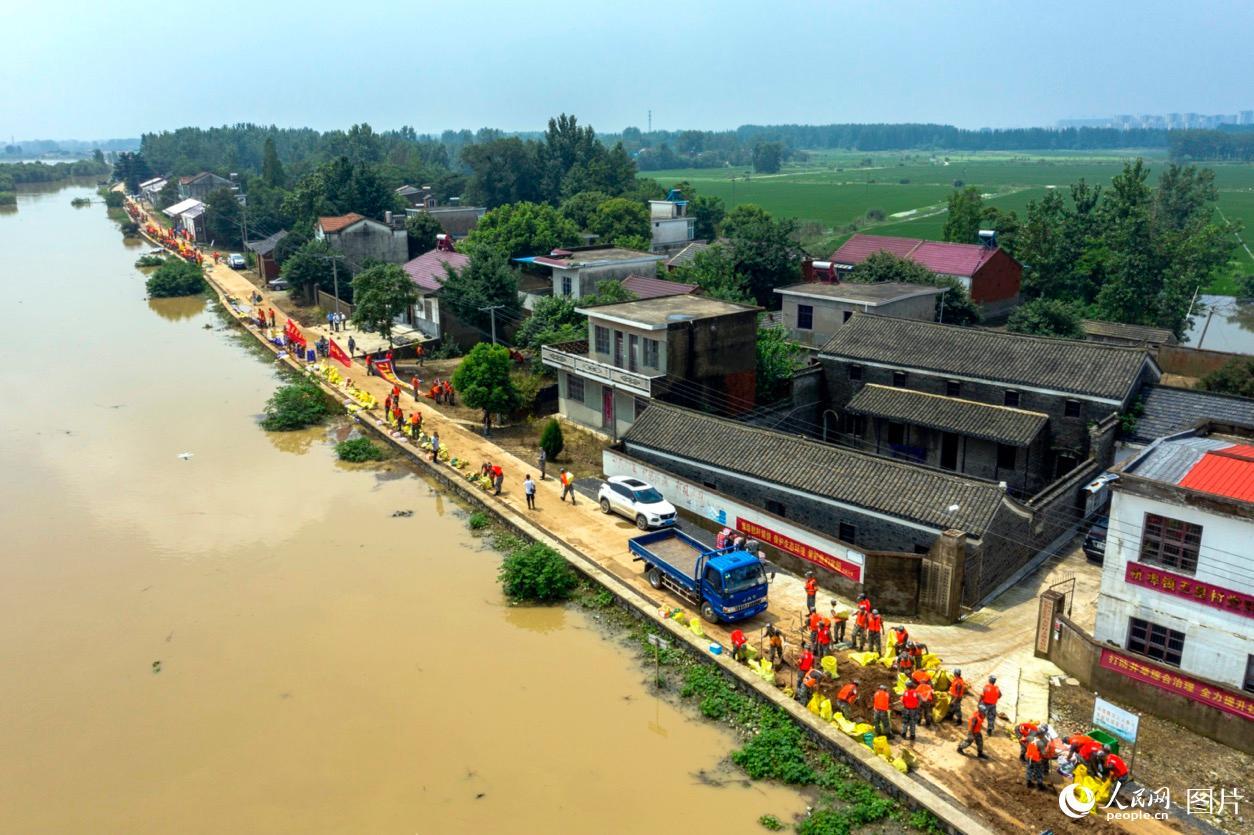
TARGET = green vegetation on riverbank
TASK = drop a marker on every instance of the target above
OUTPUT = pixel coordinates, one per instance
(359, 450)
(295, 406)
(176, 277)
(40, 172)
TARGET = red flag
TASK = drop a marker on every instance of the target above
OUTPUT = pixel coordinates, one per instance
(293, 333)
(337, 353)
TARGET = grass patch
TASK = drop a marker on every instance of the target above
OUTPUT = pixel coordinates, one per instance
(358, 450)
(295, 406)
(150, 260)
(770, 822)
(478, 520)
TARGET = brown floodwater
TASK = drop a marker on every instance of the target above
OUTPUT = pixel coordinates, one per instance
(247, 640)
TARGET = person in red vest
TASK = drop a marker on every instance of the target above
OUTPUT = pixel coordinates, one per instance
(812, 590)
(900, 637)
(369, 365)
(957, 692)
(272, 320)
(1114, 769)
(809, 685)
(824, 638)
(387, 407)
(988, 702)
(498, 478)
(740, 651)
(1025, 731)
(804, 664)
(881, 718)
(1034, 756)
(839, 619)
(416, 385)
(421, 353)
(815, 620)
(846, 698)
(415, 424)
(875, 631)
(910, 711)
(396, 394)
(927, 699)
(975, 733)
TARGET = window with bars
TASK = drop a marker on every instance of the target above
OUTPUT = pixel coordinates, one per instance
(602, 338)
(1170, 543)
(650, 353)
(1155, 641)
(574, 388)
(805, 317)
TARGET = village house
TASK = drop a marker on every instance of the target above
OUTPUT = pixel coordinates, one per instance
(1024, 410)
(428, 272)
(577, 272)
(648, 287)
(987, 273)
(358, 238)
(1177, 584)
(670, 227)
(264, 249)
(1118, 333)
(686, 255)
(200, 186)
(455, 219)
(683, 348)
(812, 312)
(188, 215)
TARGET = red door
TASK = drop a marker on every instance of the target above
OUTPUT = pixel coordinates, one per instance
(607, 408)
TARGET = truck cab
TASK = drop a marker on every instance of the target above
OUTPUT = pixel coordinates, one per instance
(735, 584)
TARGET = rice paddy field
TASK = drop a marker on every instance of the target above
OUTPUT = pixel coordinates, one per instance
(832, 189)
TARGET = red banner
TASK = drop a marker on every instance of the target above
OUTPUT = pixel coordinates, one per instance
(293, 333)
(1188, 588)
(799, 549)
(337, 353)
(1172, 682)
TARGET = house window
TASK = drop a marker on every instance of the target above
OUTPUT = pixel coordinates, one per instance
(633, 351)
(848, 533)
(1154, 641)
(602, 337)
(1012, 399)
(1007, 457)
(896, 433)
(650, 353)
(1071, 408)
(855, 425)
(1170, 543)
(953, 388)
(805, 317)
(574, 388)
(566, 285)
(855, 373)
(775, 507)
(899, 379)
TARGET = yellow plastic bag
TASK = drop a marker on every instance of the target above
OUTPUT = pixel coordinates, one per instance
(900, 686)
(887, 661)
(890, 648)
(940, 680)
(862, 729)
(679, 615)
(829, 665)
(940, 707)
(931, 661)
(866, 659)
(813, 706)
(900, 765)
(880, 746)
(695, 626)
(845, 725)
(825, 709)
(766, 670)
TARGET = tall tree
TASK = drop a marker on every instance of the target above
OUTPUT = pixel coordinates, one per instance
(502, 171)
(765, 250)
(420, 230)
(708, 212)
(222, 219)
(308, 268)
(483, 381)
(767, 157)
(618, 218)
(131, 168)
(714, 271)
(777, 360)
(1046, 317)
(579, 208)
(520, 229)
(272, 173)
(953, 307)
(962, 219)
(486, 281)
(380, 294)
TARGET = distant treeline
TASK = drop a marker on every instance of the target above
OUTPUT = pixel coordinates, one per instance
(1221, 146)
(12, 173)
(38, 147)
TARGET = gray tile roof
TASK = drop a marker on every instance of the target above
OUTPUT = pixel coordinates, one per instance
(1169, 410)
(1130, 333)
(266, 245)
(871, 482)
(1016, 427)
(1067, 365)
(685, 255)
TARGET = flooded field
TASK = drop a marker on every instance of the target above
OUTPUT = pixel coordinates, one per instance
(247, 640)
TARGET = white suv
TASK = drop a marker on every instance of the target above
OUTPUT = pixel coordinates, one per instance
(636, 500)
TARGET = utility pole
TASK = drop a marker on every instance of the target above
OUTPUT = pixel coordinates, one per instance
(491, 311)
(335, 277)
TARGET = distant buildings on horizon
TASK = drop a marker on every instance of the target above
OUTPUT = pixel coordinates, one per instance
(1169, 121)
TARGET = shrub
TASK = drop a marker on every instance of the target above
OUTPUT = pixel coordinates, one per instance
(150, 260)
(129, 228)
(295, 406)
(770, 822)
(1236, 376)
(478, 520)
(537, 573)
(357, 450)
(8, 198)
(551, 440)
(875, 214)
(113, 199)
(775, 752)
(176, 277)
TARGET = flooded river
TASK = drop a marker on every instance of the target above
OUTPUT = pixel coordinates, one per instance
(247, 640)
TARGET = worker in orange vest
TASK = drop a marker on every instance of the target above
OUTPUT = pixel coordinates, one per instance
(988, 701)
(415, 424)
(812, 590)
(1115, 769)
(957, 691)
(838, 624)
(875, 631)
(910, 711)
(805, 662)
(814, 621)
(846, 697)
(1025, 731)
(905, 661)
(880, 716)
(900, 637)
(927, 698)
(975, 733)
(824, 639)
(860, 619)
(775, 640)
(809, 685)
(568, 485)
(1034, 756)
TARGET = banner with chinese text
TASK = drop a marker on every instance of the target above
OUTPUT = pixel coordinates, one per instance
(1177, 684)
(799, 549)
(1189, 588)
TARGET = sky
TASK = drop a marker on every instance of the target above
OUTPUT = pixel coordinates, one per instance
(92, 70)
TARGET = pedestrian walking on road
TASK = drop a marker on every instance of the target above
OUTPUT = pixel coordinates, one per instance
(435, 445)
(812, 590)
(542, 459)
(881, 717)
(529, 490)
(331, 321)
(352, 346)
(272, 317)
(988, 702)
(975, 733)
(341, 321)
(568, 485)
(421, 353)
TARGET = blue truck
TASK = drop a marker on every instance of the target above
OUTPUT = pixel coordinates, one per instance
(727, 584)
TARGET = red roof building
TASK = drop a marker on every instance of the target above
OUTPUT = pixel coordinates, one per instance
(336, 223)
(990, 275)
(647, 287)
(427, 270)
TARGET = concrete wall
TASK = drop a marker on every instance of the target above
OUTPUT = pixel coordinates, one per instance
(628, 332)
(584, 280)
(1191, 362)
(830, 315)
(327, 302)
(717, 359)
(672, 232)
(371, 240)
(588, 412)
(1217, 642)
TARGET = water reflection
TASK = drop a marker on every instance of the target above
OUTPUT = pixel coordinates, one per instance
(1225, 324)
(538, 619)
(296, 442)
(175, 310)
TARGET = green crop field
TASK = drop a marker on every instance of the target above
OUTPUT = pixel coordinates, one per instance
(832, 189)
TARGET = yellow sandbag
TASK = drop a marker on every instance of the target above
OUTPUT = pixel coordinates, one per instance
(766, 669)
(887, 661)
(900, 686)
(813, 706)
(1099, 788)
(755, 666)
(679, 615)
(846, 725)
(880, 746)
(829, 665)
(891, 645)
(866, 659)
(695, 626)
(901, 766)
(940, 680)
(931, 660)
(825, 709)
(751, 650)
(907, 757)
(862, 728)
(940, 707)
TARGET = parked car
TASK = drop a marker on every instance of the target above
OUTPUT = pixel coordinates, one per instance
(236, 261)
(637, 500)
(1095, 539)
(277, 284)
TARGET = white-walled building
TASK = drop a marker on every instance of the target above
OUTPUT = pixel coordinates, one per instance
(671, 228)
(577, 272)
(1178, 574)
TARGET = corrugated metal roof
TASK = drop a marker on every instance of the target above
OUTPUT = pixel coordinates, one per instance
(938, 256)
(182, 206)
(1224, 472)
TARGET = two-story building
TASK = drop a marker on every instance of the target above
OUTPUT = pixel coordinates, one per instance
(685, 349)
(359, 238)
(1177, 580)
(813, 312)
(189, 216)
(577, 272)
(670, 227)
(1025, 410)
(200, 186)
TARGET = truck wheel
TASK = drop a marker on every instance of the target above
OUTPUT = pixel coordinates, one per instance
(641, 522)
(605, 506)
(707, 612)
(655, 578)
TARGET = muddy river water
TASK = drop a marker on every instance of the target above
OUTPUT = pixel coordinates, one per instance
(246, 640)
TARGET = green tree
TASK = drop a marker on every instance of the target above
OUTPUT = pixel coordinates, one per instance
(97, 156)
(309, 268)
(169, 194)
(380, 294)
(1046, 317)
(295, 406)
(483, 381)
(272, 173)
(1236, 376)
(714, 271)
(420, 231)
(502, 171)
(579, 208)
(176, 277)
(767, 157)
(778, 359)
(132, 169)
(552, 320)
(619, 219)
(485, 282)
(536, 573)
(1054, 243)
(522, 229)
(222, 219)
(962, 220)
(707, 212)
(765, 250)
(551, 440)
(953, 307)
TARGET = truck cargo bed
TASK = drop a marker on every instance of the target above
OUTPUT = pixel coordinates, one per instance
(679, 554)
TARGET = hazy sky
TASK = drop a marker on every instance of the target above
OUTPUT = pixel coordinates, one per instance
(471, 63)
